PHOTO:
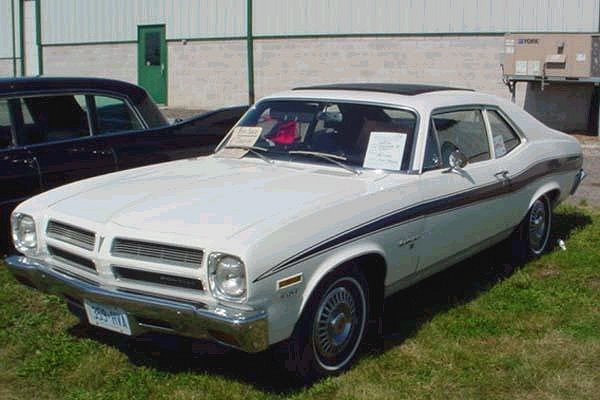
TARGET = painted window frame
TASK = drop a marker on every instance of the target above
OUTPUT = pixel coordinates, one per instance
(469, 107)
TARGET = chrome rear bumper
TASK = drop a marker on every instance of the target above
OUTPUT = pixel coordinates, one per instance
(246, 330)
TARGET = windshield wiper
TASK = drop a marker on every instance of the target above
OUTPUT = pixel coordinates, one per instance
(254, 150)
(329, 157)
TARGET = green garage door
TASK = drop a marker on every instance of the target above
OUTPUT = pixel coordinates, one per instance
(152, 61)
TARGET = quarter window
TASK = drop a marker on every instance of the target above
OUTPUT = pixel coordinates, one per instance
(504, 137)
(114, 115)
(464, 131)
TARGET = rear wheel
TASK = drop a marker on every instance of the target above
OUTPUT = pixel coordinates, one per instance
(532, 237)
(332, 326)
(539, 220)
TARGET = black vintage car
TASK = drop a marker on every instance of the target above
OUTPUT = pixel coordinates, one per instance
(58, 130)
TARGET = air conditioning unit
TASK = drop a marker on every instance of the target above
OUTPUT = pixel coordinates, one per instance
(552, 55)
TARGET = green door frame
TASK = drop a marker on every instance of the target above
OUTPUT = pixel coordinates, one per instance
(153, 71)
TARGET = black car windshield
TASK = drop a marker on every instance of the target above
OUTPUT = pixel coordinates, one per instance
(359, 135)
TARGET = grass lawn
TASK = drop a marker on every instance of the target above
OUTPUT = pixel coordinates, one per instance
(484, 329)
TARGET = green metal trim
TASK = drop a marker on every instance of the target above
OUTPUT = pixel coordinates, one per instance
(14, 37)
(38, 36)
(89, 43)
(250, 51)
(388, 35)
(22, 34)
(209, 39)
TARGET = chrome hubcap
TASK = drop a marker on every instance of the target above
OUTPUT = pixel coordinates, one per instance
(335, 320)
(538, 222)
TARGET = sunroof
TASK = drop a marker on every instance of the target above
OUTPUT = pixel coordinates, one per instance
(396, 88)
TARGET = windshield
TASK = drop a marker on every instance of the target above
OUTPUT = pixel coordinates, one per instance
(361, 135)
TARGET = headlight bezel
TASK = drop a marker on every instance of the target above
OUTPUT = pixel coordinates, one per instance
(216, 261)
(18, 233)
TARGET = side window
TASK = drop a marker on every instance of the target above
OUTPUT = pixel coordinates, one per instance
(52, 118)
(114, 115)
(5, 133)
(505, 138)
(432, 159)
(465, 131)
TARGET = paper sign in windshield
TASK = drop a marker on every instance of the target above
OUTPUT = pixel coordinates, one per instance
(385, 150)
(499, 146)
(240, 136)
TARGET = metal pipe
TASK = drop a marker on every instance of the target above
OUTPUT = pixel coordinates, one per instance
(14, 40)
(250, 51)
(38, 35)
(22, 34)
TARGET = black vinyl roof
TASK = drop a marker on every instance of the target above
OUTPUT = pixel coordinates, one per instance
(396, 88)
(42, 84)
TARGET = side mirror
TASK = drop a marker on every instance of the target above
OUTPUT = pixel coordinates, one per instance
(457, 160)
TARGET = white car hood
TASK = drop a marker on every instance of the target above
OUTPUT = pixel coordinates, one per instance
(211, 197)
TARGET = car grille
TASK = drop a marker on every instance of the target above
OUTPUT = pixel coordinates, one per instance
(158, 278)
(71, 259)
(72, 235)
(155, 252)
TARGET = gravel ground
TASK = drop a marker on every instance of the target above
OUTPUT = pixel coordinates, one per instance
(174, 113)
(588, 193)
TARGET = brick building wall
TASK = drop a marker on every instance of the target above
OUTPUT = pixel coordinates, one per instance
(116, 61)
(6, 68)
(212, 74)
(207, 74)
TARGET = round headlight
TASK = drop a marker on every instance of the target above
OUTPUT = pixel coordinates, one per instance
(227, 277)
(23, 233)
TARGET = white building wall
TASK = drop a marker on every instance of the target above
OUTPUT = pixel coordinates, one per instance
(89, 21)
(9, 46)
(309, 17)
(463, 61)
(117, 61)
(208, 74)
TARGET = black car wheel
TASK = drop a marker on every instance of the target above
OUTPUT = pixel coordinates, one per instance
(332, 326)
(539, 220)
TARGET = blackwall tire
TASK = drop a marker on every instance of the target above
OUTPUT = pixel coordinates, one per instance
(332, 327)
(533, 235)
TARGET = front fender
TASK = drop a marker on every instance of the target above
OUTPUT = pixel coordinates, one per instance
(334, 260)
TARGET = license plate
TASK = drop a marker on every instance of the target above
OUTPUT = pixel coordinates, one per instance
(107, 317)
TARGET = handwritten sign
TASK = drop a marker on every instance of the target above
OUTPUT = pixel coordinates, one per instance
(385, 150)
(240, 136)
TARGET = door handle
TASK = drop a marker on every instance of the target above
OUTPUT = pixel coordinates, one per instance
(26, 161)
(74, 150)
(102, 152)
(162, 69)
(502, 174)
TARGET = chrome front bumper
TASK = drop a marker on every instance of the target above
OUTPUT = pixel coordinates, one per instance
(246, 330)
(579, 177)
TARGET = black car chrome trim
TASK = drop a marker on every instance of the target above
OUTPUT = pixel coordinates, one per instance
(71, 259)
(157, 278)
(433, 206)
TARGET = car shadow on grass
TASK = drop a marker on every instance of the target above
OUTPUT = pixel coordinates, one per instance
(405, 313)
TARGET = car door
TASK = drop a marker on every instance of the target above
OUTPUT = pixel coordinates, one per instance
(56, 130)
(115, 120)
(507, 147)
(464, 206)
(19, 177)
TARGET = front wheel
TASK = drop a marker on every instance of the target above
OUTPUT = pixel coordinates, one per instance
(332, 326)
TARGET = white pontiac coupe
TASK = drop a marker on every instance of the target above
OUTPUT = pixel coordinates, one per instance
(320, 202)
